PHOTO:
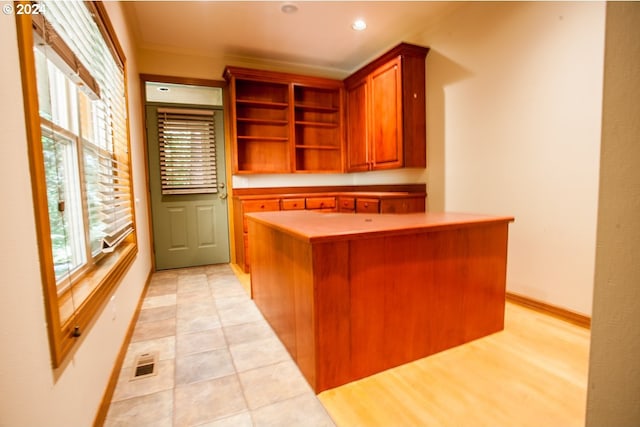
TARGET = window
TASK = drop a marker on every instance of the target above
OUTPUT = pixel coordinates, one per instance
(187, 151)
(73, 81)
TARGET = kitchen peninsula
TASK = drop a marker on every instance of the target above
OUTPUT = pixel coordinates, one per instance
(350, 295)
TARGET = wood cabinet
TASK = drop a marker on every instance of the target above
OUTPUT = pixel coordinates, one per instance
(290, 123)
(240, 208)
(386, 111)
(370, 202)
(283, 123)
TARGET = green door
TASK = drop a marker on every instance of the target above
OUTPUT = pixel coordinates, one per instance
(188, 229)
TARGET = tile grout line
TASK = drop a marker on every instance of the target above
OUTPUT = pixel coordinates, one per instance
(210, 295)
(235, 368)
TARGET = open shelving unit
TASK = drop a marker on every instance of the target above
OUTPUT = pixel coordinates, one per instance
(283, 123)
(318, 142)
(261, 126)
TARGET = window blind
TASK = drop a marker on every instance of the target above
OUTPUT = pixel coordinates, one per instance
(187, 151)
(106, 148)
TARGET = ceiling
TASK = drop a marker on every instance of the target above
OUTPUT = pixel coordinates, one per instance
(318, 34)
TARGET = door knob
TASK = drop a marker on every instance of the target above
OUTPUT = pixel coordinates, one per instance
(223, 196)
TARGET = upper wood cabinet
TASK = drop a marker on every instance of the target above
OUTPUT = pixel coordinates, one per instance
(386, 111)
(283, 123)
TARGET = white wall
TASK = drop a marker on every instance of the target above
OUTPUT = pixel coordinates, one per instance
(514, 94)
(613, 397)
(31, 393)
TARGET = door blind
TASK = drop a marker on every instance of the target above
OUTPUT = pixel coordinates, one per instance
(187, 151)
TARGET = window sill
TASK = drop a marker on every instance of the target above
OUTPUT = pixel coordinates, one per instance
(93, 290)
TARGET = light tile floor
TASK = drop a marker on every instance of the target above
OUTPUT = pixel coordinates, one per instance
(219, 362)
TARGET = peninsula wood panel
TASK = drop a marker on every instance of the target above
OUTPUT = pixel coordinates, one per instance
(365, 304)
(422, 294)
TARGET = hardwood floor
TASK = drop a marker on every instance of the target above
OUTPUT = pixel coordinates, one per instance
(534, 373)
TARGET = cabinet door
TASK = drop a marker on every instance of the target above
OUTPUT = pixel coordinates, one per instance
(357, 150)
(386, 116)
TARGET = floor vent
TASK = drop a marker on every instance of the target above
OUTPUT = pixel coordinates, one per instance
(145, 366)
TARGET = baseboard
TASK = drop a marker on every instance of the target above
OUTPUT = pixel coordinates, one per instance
(243, 278)
(103, 409)
(543, 307)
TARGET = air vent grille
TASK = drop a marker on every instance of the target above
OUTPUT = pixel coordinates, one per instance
(145, 366)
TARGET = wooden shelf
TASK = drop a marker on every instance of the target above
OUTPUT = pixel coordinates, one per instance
(313, 107)
(317, 124)
(259, 103)
(318, 147)
(263, 121)
(263, 138)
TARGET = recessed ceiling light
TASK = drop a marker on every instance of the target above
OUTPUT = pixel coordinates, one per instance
(163, 89)
(359, 25)
(289, 8)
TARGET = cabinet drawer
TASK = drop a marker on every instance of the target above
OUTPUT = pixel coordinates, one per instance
(346, 204)
(408, 205)
(258, 206)
(367, 206)
(321, 202)
(291, 204)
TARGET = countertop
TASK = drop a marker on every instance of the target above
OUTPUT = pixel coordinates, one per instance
(363, 194)
(328, 226)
